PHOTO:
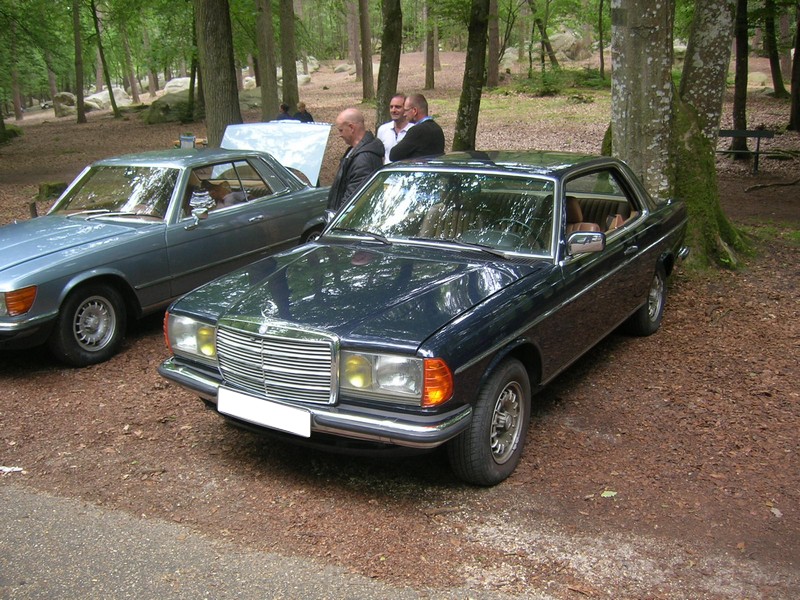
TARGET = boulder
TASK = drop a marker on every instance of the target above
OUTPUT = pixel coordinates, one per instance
(169, 108)
(179, 84)
(64, 104)
(102, 100)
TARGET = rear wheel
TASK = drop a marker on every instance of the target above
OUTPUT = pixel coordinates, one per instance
(90, 326)
(647, 319)
(489, 450)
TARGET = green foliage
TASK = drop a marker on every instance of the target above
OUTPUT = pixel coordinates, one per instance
(554, 83)
(9, 132)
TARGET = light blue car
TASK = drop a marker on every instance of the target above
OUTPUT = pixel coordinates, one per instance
(133, 233)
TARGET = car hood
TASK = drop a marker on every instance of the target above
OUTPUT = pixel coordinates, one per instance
(28, 240)
(296, 145)
(402, 295)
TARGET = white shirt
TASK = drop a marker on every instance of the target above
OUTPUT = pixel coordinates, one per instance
(390, 137)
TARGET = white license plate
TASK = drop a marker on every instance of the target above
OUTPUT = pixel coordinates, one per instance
(263, 412)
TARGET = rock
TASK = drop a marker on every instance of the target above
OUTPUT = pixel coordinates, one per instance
(64, 104)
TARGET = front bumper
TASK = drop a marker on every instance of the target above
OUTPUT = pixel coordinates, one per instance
(355, 422)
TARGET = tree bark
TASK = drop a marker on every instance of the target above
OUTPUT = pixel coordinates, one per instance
(601, 40)
(642, 92)
(291, 94)
(493, 58)
(740, 78)
(354, 37)
(367, 79)
(76, 30)
(152, 75)
(217, 77)
(771, 43)
(794, 111)
(126, 47)
(470, 102)
(391, 45)
(265, 39)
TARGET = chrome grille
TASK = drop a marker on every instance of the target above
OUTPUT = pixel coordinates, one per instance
(293, 366)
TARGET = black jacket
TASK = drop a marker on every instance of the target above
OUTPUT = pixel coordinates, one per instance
(423, 139)
(354, 169)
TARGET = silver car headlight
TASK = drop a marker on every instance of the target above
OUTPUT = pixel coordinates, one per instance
(191, 338)
(388, 377)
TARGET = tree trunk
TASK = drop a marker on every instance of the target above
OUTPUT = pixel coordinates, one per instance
(391, 45)
(794, 111)
(493, 58)
(771, 43)
(291, 94)
(101, 54)
(711, 235)
(601, 41)
(740, 78)
(217, 77)
(470, 103)
(548, 48)
(367, 79)
(126, 47)
(152, 76)
(265, 39)
(641, 90)
(708, 56)
(354, 37)
(76, 30)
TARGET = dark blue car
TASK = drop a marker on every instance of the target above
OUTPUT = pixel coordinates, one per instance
(434, 305)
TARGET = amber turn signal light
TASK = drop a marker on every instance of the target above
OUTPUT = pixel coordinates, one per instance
(438, 382)
(19, 302)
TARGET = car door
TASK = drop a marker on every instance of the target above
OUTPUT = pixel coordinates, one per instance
(246, 220)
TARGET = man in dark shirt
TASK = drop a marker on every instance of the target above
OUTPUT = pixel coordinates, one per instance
(302, 114)
(425, 138)
(363, 157)
(283, 115)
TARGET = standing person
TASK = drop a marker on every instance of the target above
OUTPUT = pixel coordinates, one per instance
(391, 132)
(302, 114)
(363, 157)
(426, 138)
(283, 115)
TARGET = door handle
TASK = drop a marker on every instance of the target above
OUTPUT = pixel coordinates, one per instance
(256, 219)
(631, 250)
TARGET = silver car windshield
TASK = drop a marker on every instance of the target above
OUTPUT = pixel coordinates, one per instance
(507, 213)
(140, 191)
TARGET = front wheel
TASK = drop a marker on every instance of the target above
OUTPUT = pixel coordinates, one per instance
(647, 319)
(489, 450)
(90, 325)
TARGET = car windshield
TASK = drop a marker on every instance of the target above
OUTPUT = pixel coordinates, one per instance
(141, 191)
(504, 212)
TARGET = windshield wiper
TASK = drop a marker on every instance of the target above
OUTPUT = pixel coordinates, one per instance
(89, 211)
(375, 236)
(109, 213)
(460, 244)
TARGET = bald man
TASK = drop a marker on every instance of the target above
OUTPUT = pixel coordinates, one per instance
(364, 156)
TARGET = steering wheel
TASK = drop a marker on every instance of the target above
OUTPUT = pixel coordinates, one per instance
(527, 229)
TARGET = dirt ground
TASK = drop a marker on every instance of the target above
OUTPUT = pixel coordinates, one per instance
(660, 467)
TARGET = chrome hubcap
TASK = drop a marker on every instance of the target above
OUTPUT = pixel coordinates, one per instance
(655, 297)
(94, 324)
(505, 431)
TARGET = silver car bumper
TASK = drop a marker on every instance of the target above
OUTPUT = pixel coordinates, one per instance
(376, 425)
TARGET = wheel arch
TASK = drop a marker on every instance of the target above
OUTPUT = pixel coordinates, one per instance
(527, 353)
(116, 280)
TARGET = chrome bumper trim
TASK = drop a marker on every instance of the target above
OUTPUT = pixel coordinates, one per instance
(388, 428)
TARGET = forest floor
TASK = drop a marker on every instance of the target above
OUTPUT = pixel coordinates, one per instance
(659, 467)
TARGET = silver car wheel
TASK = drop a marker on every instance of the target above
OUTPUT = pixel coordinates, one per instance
(94, 324)
(655, 298)
(505, 429)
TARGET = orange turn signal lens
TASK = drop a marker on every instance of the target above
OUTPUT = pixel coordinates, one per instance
(19, 302)
(438, 382)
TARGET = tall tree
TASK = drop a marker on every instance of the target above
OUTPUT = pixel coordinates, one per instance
(740, 77)
(470, 102)
(367, 79)
(291, 93)
(493, 57)
(771, 43)
(102, 57)
(391, 45)
(265, 40)
(217, 76)
(430, 61)
(76, 28)
(794, 116)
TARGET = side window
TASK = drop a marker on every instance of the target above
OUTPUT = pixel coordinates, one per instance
(598, 201)
(252, 184)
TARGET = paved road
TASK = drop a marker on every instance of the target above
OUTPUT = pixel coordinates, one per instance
(59, 548)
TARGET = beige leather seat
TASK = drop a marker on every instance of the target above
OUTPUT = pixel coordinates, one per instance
(575, 220)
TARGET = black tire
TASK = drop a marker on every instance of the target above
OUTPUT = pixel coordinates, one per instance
(647, 319)
(310, 235)
(90, 325)
(490, 449)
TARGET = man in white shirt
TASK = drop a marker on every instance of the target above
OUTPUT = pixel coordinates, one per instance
(395, 130)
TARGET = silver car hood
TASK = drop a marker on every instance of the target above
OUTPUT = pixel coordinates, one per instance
(26, 241)
(294, 144)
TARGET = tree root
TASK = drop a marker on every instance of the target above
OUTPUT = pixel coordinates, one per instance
(766, 185)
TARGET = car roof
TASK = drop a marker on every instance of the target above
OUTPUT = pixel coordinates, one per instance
(542, 163)
(177, 158)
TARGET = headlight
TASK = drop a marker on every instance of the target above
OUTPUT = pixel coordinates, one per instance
(189, 337)
(17, 302)
(393, 378)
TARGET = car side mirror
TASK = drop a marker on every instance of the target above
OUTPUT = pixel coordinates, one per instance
(586, 241)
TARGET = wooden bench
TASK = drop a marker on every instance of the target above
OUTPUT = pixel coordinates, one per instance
(747, 133)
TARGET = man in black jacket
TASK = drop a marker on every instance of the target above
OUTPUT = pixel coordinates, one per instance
(362, 159)
(425, 138)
